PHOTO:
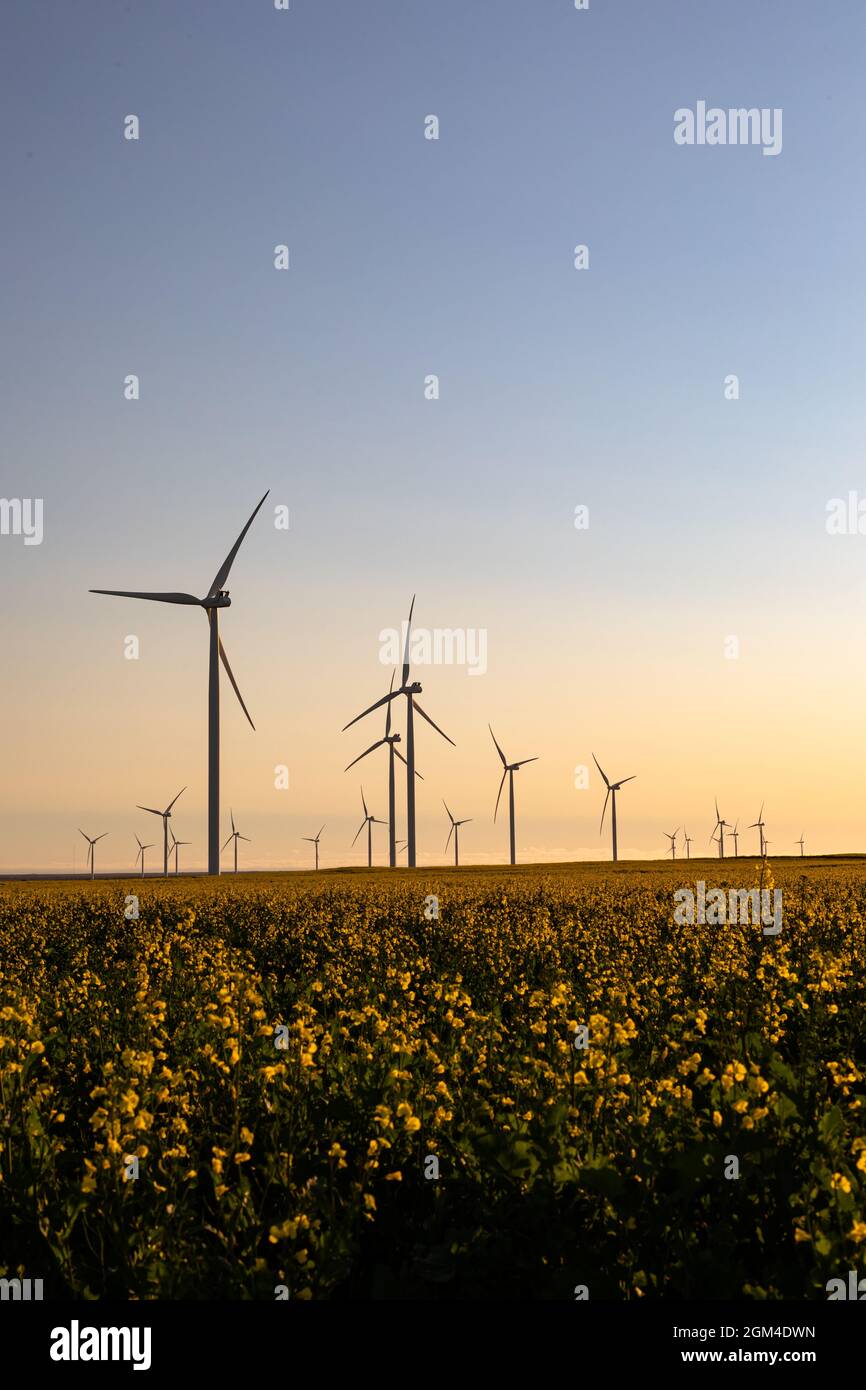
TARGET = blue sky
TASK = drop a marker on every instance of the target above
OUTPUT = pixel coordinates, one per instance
(411, 257)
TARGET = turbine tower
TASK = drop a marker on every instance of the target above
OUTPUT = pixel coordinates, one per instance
(216, 598)
(688, 839)
(673, 839)
(612, 789)
(369, 821)
(508, 770)
(799, 842)
(235, 835)
(412, 706)
(455, 829)
(314, 840)
(736, 839)
(140, 855)
(165, 818)
(389, 740)
(720, 825)
(759, 826)
(91, 843)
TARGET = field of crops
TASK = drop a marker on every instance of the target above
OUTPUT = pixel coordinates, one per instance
(332, 1092)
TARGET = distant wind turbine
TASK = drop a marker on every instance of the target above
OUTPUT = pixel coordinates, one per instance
(235, 835)
(688, 839)
(759, 826)
(720, 825)
(508, 770)
(389, 741)
(216, 598)
(455, 830)
(91, 843)
(612, 789)
(314, 840)
(369, 821)
(165, 819)
(175, 845)
(801, 842)
(410, 691)
(140, 855)
(736, 839)
(673, 839)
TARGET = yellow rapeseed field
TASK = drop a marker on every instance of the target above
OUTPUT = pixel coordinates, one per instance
(315, 1086)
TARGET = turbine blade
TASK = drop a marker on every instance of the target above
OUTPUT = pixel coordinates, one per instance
(81, 832)
(102, 836)
(321, 830)
(623, 780)
(498, 749)
(604, 807)
(232, 819)
(499, 793)
(225, 661)
(364, 754)
(222, 573)
(392, 695)
(157, 598)
(388, 707)
(435, 726)
(450, 817)
(450, 833)
(405, 764)
(245, 837)
(360, 828)
(228, 842)
(171, 803)
(150, 809)
(598, 765)
(364, 804)
(406, 646)
(525, 761)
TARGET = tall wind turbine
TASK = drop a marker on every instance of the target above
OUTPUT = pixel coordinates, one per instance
(688, 839)
(217, 597)
(612, 789)
(314, 840)
(720, 825)
(235, 835)
(412, 706)
(799, 842)
(175, 845)
(508, 770)
(673, 839)
(759, 826)
(140, 855)
(389, 740)
(165, 818)
(736, 839)
(455, 828)
(91, 843)
(369, 821)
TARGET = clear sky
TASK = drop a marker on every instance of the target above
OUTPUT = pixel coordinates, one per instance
(558, 387)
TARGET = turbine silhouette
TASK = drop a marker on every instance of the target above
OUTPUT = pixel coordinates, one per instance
(508, 770)
(455, 829)
(235, 835)
(759, 826)
(673, 839)
(314, 840)
(175, 845)
(140, 855)
(412, 706)
(390, 741)
(369, 821)
(91, 843)
(612, 789)
(165, 818)
(217, 597)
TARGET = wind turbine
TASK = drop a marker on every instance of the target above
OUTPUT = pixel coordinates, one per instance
(175, 846)
(165, 817)
(736, 839)
(508, 770)
(235, 835)
(673, 840)
(90, 855)
(390, 740)
(410, 691)
(759, 826)
(314, 840)
(369, 821)
(455, 828)
(720, 826)
(216, 598)
(140, 855)
(612, 789)
(688, 839)
(799, 842)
